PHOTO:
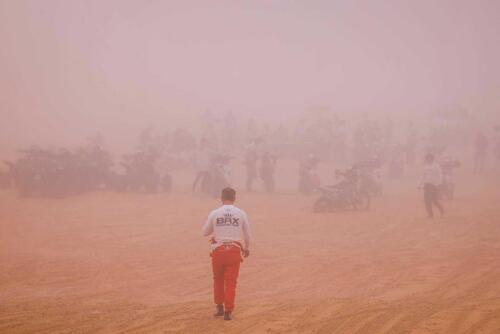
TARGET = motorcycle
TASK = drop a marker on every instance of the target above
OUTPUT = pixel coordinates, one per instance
(350, 193)
(369, 176)
(140, 175)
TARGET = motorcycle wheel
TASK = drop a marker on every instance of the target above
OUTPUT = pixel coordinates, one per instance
(322, 204)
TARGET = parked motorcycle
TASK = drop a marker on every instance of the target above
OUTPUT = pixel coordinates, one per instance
(140, 175)
(349, 193)
(369, 176)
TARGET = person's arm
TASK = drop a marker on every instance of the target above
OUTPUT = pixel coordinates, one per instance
(208, 227)
(247, 235)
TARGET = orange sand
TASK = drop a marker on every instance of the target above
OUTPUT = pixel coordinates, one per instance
(136, 263)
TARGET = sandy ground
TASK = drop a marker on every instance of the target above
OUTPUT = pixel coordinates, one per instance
(137, 263)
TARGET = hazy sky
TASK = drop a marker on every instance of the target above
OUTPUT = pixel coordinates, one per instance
(69, 67)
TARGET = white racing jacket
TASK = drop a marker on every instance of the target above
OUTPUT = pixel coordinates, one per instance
(227, 224)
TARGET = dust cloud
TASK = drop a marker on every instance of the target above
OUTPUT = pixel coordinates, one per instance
(362, 139)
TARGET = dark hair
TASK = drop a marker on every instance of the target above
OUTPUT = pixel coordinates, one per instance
(228, 194)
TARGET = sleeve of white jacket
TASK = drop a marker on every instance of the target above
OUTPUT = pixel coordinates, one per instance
(208, 227)
(247, 234)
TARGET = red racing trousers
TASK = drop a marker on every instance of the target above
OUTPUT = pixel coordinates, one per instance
(226, 267)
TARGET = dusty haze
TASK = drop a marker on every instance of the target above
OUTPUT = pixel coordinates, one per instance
(123, 120)
(71, 68)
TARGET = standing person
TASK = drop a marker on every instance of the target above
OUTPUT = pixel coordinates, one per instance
(220, 174)
(203, 162)
(308, 177)
(250, 162)
(228, 225)
(267, 168)
(481, 149)
(431, 180)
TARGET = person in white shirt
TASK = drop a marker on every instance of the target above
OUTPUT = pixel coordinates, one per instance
(431, 180)
(228, 227)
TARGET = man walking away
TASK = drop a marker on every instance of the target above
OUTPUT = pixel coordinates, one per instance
(431, 180)
(228, 225)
